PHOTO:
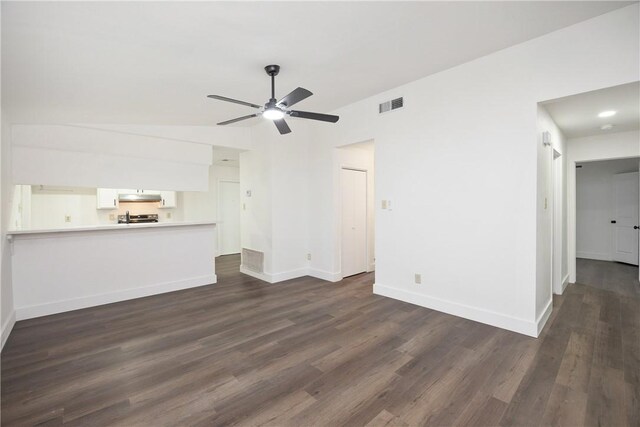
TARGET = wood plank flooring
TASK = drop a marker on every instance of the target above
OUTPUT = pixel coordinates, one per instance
(307, 352)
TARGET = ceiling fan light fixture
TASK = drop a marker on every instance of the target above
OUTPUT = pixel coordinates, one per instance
(273, 114)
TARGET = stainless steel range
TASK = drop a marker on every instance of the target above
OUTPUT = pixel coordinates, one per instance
(137, 219)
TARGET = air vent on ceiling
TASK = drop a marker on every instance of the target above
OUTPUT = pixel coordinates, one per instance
(394, 104)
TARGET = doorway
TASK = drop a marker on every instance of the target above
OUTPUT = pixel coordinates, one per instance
(354, 195)
(354, 221)
(229, 214)
(607, 206)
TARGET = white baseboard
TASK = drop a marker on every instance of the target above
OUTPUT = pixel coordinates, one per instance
(522, 326)
(7, 327)
(565, 282)
(275, 277)
(544, 316)
(94, 300)
(325, 275)
(293, 274)
(594, 255)
(288, 275)
(262, 276)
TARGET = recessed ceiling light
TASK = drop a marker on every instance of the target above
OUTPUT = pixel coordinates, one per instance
(607, 113)
(606, 127)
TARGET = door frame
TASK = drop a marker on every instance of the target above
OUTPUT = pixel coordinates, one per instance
(367, 219)
(218, 210)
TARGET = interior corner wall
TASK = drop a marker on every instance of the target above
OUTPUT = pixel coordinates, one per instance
(459, 164)
(255, 196)
(275, 218)
(618, 145)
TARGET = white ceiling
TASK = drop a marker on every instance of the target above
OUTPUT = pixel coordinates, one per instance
(154, 62)
(577, 115)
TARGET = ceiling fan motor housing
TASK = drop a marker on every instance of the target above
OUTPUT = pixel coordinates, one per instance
(272, 70)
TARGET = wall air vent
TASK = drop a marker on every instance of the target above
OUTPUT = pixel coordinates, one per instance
(253, 260)
(394, 104)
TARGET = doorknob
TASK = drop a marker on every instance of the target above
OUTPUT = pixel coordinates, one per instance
(613, 221)
(635, 227)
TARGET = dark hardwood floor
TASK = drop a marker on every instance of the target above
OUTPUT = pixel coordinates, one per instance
(307, 352)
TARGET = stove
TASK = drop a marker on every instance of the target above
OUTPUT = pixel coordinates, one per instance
(137, 219)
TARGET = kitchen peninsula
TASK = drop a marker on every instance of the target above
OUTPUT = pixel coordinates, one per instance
(62, 269)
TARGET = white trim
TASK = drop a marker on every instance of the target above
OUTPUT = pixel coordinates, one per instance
(594, 255)
(288, 275)
(523, 326)
(262, 276)
(293, 274)
(7, 327)
(565, 283)
(111, 297)
(325, 275)
(275, 277)
(544, 316)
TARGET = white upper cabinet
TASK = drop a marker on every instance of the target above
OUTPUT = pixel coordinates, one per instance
(168, 199)
(107, 198)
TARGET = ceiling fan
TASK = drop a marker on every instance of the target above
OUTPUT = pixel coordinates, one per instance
(277, 110)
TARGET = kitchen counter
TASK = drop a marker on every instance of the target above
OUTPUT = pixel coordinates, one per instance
(108, 227)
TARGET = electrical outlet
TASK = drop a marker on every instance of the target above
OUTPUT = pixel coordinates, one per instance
(168, 215)
(67, 218)
(418, 278)
(112, 217)
(308, 257)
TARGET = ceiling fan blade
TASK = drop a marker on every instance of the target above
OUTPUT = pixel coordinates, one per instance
(238, 119)
(313, 116)
(235, 101)
(282, 126)
(294, 97)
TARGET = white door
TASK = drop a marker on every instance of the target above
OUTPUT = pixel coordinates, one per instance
(229, 210)
(354, 221)
(625, 237)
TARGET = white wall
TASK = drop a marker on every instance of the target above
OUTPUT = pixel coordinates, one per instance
(618, 145)
(459, 163)
(595, 206)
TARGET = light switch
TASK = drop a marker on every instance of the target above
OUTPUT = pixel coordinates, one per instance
(384, 204)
